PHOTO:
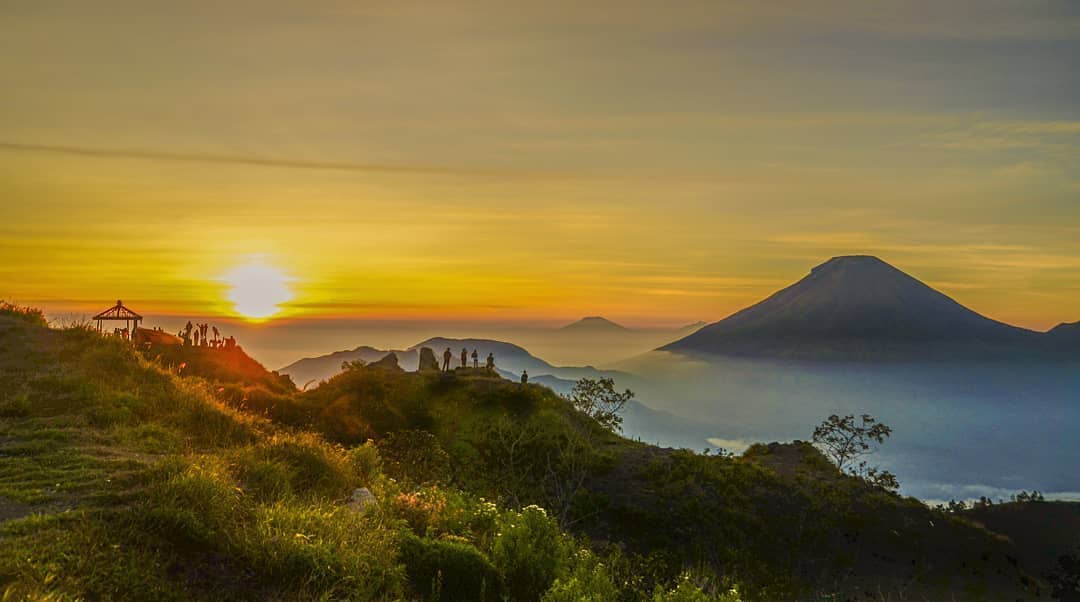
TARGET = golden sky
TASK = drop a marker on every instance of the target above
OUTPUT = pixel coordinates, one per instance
(653, 162)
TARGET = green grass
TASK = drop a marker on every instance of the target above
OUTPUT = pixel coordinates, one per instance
(121, 480)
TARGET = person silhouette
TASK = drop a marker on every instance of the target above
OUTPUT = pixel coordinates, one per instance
(475, 359)
(196, 333)
(464, 357)
(524, 377)
(491, 362)
(446, 357)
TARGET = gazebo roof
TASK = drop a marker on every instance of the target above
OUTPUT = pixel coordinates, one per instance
(118, 312)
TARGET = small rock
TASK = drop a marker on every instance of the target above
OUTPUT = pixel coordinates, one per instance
(363, 500)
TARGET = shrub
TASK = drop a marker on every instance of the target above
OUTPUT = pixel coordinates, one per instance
(589, 581)
(415, 456)
(448, 570)
(688, 591)
(30, 315)
(470, 517)
(366, 462)
(529, 552)
(422, 509)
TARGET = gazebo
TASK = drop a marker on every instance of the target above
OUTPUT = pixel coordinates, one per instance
(119, 313)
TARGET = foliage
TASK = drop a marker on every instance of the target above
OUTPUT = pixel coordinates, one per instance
(30, 315)
(447, 569)
(688, 591)
(415, 456)
(366, 462)
(846, 442)
(529, 551)
(589, 580)
(599, 400)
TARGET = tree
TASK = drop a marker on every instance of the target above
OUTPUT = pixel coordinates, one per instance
(599, 400)
(846, 442)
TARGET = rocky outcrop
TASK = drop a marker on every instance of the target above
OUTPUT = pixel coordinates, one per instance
(389, 362)
(427, 360)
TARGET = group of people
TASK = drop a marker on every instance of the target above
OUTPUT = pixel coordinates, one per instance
(198, 335)
(448, 356)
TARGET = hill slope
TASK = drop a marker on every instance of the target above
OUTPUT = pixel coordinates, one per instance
(856, 307)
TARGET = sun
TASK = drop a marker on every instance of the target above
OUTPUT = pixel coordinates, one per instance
(257, 289)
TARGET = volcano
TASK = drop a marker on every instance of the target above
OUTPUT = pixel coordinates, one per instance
(859, 307)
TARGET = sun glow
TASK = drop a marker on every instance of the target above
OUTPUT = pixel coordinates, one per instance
(257, 290)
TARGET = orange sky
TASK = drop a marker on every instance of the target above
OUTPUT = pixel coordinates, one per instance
(507, 162)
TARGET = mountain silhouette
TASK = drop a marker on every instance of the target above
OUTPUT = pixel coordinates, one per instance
(510, 360)
(859, 307)
(594, 324)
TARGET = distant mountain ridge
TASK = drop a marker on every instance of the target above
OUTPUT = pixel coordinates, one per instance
(860, 307)
(510, 360)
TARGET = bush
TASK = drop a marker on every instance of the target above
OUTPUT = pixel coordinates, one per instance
(529, 552)
(30, 315)
(688, 591)
(422, 510)
(366, 462)
(416, 457)
(448, 570)
(589, 581)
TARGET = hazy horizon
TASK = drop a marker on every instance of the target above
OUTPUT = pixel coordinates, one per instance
(491, 162)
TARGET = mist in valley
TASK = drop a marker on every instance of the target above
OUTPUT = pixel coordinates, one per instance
(961, 429)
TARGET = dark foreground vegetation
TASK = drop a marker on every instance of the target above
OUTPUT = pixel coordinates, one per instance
(125, 476)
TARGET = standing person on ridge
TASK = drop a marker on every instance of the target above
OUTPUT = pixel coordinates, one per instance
(524, 377)
(464, 357)
(491, 362)
(446, 357)
(475, 359)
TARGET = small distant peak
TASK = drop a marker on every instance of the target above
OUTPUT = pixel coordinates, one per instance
(1065, 327)
(594, 322)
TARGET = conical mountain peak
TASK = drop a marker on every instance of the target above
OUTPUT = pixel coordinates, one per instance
(850, 306)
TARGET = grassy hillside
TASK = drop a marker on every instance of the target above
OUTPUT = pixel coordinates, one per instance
(122, 479)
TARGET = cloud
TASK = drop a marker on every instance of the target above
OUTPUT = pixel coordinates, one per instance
(159, 155)
(735, 446)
